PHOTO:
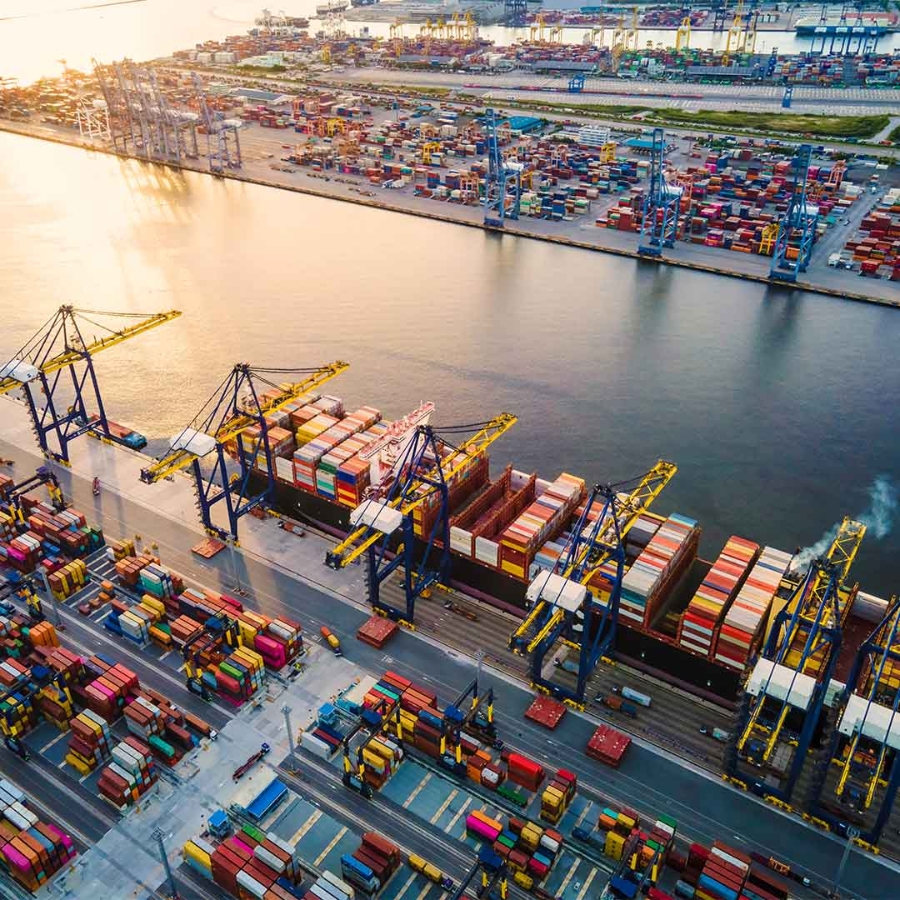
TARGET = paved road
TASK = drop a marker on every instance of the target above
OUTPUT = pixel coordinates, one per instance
(649, 779)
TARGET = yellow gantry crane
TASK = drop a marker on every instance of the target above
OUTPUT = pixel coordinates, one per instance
(536, 31)
(60, 408)
(232, 425)
(866, 739)
(790, 680)
(416, 504)
(568, 604)
(683, 35)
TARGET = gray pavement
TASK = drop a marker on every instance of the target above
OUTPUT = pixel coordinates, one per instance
(650, 779)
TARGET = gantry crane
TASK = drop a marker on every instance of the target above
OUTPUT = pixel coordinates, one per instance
(424, 471)
(636, 872)
(503, 181)
(223, 142)
(237, 405)
(576, 83)
(493, 875)
(567, 606)
(59, 347)
(632, 37)
(683, 35)
(786, 688)
(858, 776)
(10, 500)
(515, 12)
(599, 31)
(797, 226)
(477, 720)
(661, 203)
(379, 720)
(218, 631)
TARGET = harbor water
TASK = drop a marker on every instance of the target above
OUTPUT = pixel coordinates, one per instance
(778, 406)
(36, 35)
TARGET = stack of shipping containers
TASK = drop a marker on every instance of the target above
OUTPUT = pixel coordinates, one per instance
(745, 620)
(659, 566)
(32, 851)
(701, 619)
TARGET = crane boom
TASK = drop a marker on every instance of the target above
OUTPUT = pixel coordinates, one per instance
(180, 457)
(627, 512)
(587, 555)
(36, 352)
(367, 536)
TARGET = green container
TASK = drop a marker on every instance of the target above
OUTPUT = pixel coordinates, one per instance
(507, 842)
(668, 820)
(159, 744)
(253, 832)
(236, 674)
(514, 795)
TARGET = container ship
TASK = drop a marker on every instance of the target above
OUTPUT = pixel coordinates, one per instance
(332, 6)
(694, 621)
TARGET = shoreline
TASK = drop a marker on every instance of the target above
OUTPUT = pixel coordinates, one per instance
(9, 127)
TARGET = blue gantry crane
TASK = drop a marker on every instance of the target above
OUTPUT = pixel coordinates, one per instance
(797, 226)
(576, 83)
(661, 202)
(424, 471)
(577, 603)
(515, 12)
(220, 430)
(857, 778)
(503, 182)
(787, 686)
(477, 720)
(55, 370)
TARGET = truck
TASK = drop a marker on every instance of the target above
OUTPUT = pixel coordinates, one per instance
(631, 694)
(617, 704)
(332, 640)
(245, 767)
(431, 872)
(593, 838)
(567, 665)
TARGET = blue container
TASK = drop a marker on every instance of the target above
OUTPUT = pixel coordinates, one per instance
(430, 719)
(720, 890)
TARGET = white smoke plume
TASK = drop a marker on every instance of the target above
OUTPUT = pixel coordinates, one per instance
(878, 518)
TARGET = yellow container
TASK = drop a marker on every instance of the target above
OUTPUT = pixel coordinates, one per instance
(192, 851)
(523, 880)
(77, 763)
(614, 845)
(383, 751)
(374, 760)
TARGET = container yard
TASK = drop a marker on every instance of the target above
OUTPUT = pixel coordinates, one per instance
(398, 151)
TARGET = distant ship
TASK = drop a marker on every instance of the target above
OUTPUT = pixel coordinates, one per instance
(363, 2)
(333, 6)
(280, 22)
